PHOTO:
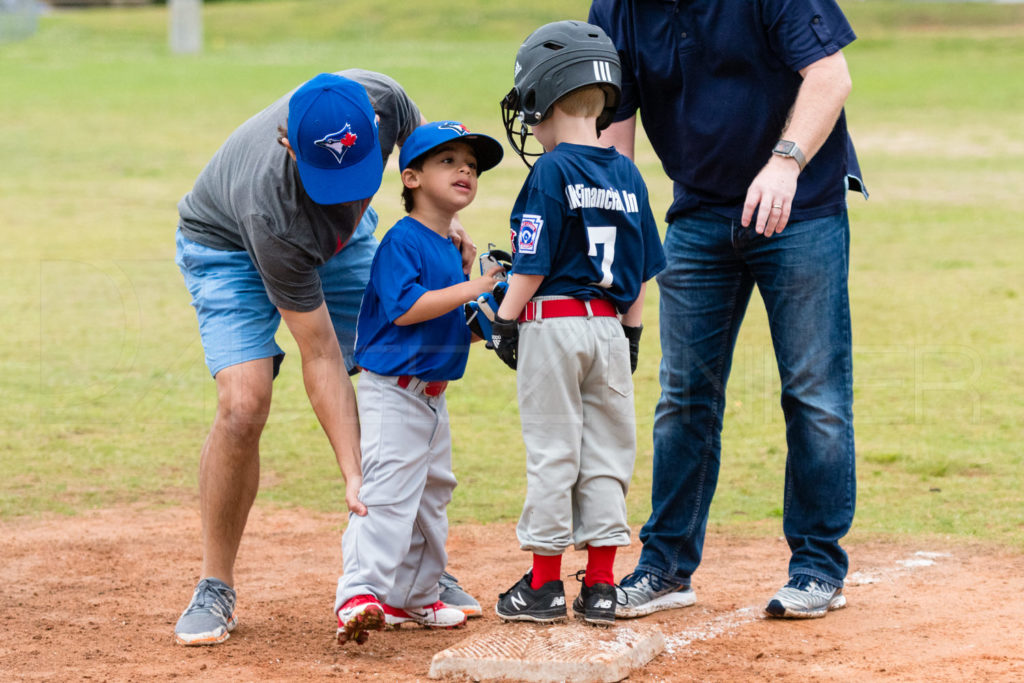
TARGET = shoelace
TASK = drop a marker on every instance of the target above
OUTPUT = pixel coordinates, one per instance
(640, 577)
(207, 596)
(582, 574)
(527, 578)
(807, 583)
(448, 581)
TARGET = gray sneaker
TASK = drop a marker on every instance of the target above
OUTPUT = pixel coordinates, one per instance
(805, 597)
(452, 595)
(646, 593)
(210, 617)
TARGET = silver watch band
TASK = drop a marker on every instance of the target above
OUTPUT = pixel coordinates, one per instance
(789, 149)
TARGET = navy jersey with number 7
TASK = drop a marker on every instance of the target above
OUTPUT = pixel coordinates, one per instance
(583, 220)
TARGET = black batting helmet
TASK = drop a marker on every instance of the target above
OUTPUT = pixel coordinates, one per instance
(553, 61)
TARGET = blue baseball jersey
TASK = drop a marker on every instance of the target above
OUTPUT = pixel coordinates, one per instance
(411, 260)
(583, 220)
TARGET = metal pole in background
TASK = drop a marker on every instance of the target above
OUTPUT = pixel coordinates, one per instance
(185, 26)
(17, 19)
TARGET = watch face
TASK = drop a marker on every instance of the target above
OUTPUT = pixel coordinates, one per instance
(784, 147)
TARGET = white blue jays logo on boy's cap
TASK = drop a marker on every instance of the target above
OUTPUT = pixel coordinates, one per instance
(333, 129)
(488, 151)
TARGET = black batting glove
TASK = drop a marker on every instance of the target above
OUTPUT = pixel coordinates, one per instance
(505, 340)
(633, 335)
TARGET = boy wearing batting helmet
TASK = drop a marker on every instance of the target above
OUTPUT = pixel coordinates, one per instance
(585, 242)
(411, 341)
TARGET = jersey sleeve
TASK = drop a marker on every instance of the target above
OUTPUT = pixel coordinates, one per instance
(396, 277)
(289, 273)
(803, 32)
(609, 15)
(537, 222)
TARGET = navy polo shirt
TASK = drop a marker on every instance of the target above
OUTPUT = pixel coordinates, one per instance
(714, 81)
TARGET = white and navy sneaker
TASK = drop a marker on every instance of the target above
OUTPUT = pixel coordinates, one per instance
(546, 605)
(805, 597)
(209, 617)
(647, 593)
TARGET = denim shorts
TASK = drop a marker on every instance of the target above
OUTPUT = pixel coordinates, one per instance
(237, 321)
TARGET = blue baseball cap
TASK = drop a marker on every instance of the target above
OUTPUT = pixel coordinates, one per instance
(333, 129)
(428, 136)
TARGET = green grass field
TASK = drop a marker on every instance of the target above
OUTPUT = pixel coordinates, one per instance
(104, 398)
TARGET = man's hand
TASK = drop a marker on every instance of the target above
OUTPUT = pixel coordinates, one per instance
(352, 486)
(505, 340)
(771, 194)
(825, 87)
(465, 245)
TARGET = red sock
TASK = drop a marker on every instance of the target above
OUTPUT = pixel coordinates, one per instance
(545, 568)
(600, 565)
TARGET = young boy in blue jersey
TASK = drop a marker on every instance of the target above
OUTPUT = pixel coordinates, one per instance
(585, 242)
(411, 341)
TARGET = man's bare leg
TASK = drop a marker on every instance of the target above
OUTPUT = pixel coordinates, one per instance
(229, 467)
(229, 477)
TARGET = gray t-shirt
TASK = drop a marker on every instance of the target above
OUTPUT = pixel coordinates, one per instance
(249, 197)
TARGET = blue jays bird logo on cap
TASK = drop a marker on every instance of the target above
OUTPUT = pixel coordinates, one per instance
(338, 143)
(454, 126)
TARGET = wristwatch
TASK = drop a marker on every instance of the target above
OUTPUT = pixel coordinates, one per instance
(788, 148)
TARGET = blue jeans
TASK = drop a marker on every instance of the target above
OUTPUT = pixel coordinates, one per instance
(801, 273)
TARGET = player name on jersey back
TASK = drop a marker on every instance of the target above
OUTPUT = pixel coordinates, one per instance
(582, 197)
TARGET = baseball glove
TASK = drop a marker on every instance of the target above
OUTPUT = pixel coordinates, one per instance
(495, 257)
(480, 312)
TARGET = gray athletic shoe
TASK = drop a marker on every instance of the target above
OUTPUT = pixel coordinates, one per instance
(210, 617)
(452, 595)
(805, 597)
(646, 593)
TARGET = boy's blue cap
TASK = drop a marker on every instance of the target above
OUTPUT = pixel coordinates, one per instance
(332, 128)
(425, 138)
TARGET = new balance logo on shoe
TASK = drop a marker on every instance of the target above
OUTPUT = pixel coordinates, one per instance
(595, 604)
(522, 602)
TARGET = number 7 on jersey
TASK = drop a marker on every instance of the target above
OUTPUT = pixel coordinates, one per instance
(604, 235)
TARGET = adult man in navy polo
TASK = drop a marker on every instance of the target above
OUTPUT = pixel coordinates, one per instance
(743, 104)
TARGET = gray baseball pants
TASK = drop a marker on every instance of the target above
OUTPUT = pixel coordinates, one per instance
(397, 551)
(576, 406)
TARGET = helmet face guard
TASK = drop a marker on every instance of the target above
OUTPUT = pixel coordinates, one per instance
(511, 117)
(553, 61)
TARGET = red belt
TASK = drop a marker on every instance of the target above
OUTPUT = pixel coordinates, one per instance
(566, 308)
(428, 388)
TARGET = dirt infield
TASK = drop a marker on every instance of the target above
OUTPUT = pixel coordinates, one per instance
(96, 597)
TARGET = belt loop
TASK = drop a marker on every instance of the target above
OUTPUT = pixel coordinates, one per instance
(538, 311)
(590, 311)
